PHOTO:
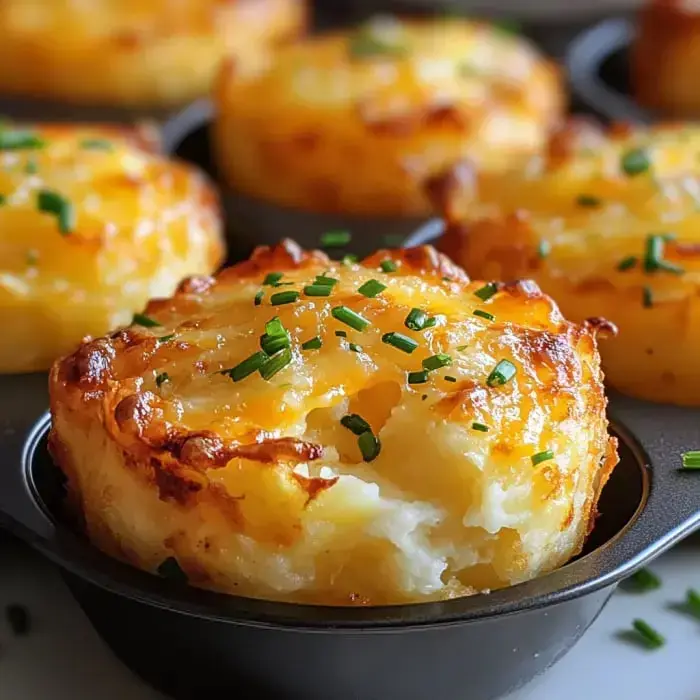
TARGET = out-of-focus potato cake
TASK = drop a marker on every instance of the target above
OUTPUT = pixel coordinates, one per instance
(93, 223)
(608, 224)
(346, 434)
(352, 122)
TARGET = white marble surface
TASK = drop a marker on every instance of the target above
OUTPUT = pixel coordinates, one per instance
(63, 658)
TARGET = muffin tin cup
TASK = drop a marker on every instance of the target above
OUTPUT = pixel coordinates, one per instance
(252, 221)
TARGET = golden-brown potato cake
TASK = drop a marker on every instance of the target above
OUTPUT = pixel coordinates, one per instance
(665, 58)
(353, 122)
(93, 223)
(365, 462)
(608, 225)
(133, 53)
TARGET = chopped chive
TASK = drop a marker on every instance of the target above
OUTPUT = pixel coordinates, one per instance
(54, 203)
(335, 239)
(627, 263)
(449, 378)
(313, 344)
(437, 361)
(341, 334)
(667, 266)
(369, 445)
(420, 377)
(480, 427)
(416, 320)
(275, 327)
(161, 378)
(430, 322)
(644, 580)
(284, 298)
(165, 338)
(96, 145)
(544, 248)
(484, 314)
(326, 281)
(18, 619)
(171, 570)
(145, 321)
(349, 259)
(651, 638)
(588, 200)
(540, 457)
(388, 266)
(462, 348)
(400, 341)
(355, 423)
(691, 460)
(692, 599)
(272, 278)
(350, 318)
(272, 344)
(371, 288)
(276, 363)
(503, 372)
(635, 162)
(259, 297)
(3, 200)
(15, 139)
(647, 298)
(318, 290)
(653, 253)
(355, 347)
(247, 367)
(487, 291)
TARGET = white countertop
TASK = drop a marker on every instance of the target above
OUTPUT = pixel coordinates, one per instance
(64, 659)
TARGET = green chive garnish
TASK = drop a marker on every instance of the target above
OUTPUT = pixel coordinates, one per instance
(635, 162)
(161, 378)
(484, 314)
(503, 372)
(653, 253)
(648, 635)
(14, 139)
(487, 291)
(349, 259)
(431, 322)
(54, 203)
(341, 334)
(691, 460)
(627, 263)
(400, 341)
(480, 427)
(96, 145)
(356, 424)
(326, 281)
(355, 347)
(437, 361)
(544, 248)
(416, 320)
(272, 344)
(371, 288)
(276, 364)
(143, 320)
(462, 348)
(259, 297)
(540, 457)
(165, 338)
(644, 580)
(369, 445)
(588, 200)
(275, 327)
(449, 378)
(420, 377)
(284, 298)
(313, 344)
(247, 367)
(3, 200)
(272, 278)
(692, 599)
(388, 266)
(318, 290)
(171, 570)
(350, 318)
(647, 298)
(335, 239)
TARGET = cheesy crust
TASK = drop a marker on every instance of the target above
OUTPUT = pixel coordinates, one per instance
(134, 53)
(665, 58)
(608, 224)
(93, 223)
(258, 484)
(352, 122)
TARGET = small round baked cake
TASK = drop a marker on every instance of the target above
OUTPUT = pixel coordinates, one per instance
(148, 54)
(346, 434)
(93, 223)
(608, 224)
(665, 58)
(352, 122)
